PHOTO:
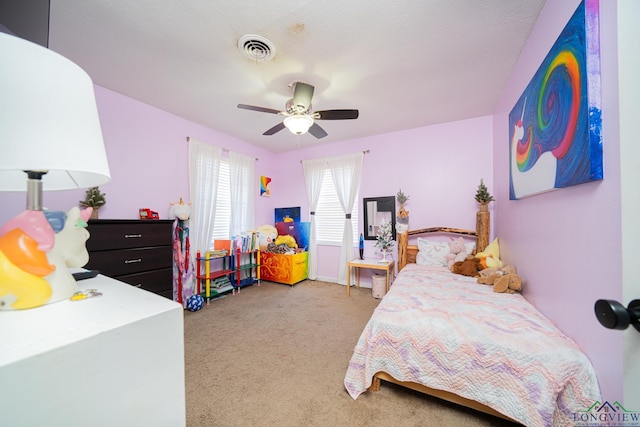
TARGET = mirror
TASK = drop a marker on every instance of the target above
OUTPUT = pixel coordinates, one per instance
(375, 210)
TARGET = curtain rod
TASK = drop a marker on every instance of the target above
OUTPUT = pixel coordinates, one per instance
(363, 152)
(224, 150)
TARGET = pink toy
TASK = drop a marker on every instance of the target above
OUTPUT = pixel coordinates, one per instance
(457, 251)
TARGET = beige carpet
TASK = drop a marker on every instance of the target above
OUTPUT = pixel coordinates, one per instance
(274, 355)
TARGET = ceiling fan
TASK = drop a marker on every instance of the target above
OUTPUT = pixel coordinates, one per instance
(298, 115)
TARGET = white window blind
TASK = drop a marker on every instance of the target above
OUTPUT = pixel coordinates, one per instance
(223, 206)
(329, 214)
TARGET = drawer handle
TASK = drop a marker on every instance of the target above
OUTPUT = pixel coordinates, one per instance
(132, 236)
(132, 261)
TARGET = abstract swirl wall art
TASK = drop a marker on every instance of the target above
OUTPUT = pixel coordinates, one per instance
(265, 186)
(555, 127)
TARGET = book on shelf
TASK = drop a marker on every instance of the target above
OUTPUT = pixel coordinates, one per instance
(220, 248)
(247, 241)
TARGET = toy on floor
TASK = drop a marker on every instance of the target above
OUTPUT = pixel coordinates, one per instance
(195, 303)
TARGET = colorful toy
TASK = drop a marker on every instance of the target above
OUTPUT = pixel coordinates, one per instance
(184, 282)
(195, 303)
(287, 241)
(267, 234)
(490, 257)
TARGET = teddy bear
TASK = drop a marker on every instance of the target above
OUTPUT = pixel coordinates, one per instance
(469, 267)
(457, 251)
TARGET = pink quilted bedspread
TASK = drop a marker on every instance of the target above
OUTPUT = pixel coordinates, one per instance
(447, 332)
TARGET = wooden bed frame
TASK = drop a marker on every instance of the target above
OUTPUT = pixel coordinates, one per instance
(407, 254)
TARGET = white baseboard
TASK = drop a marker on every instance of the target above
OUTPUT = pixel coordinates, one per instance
(334, 280)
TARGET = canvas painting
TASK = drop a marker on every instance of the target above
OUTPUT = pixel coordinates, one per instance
(555, 128)
(265, 186)
(287, 214)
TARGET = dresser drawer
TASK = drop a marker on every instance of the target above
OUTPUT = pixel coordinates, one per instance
(107, 235)
(129, 261)
(158, 281)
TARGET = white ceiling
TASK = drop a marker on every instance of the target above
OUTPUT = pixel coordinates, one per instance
(403, 64)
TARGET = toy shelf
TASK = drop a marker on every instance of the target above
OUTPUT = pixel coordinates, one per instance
(246, 269)
(221, 271)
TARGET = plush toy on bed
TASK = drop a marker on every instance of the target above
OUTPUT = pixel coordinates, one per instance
(469, 267)
(457, 251)
(504, 280)
(490, 257)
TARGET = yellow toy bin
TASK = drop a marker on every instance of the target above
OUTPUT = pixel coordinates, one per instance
(283, 268)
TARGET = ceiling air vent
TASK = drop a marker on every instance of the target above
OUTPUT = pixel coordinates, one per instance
(256, 48)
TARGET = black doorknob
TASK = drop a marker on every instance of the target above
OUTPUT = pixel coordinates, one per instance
(611, 314)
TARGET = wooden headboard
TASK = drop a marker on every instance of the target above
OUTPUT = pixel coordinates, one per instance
(407, 253)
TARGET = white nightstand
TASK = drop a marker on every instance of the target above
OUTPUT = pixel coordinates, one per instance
(388, 267)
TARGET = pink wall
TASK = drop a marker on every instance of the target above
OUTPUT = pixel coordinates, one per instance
(439, 167)
(567, 243)
(148, 159)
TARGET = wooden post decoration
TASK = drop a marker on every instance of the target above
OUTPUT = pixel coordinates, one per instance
(403, 240)
(483, 217)
(483, 225)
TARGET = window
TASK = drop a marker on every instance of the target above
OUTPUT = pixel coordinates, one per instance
(222, 222)
(330, 217)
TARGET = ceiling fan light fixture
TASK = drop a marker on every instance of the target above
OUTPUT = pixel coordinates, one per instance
(298, 124)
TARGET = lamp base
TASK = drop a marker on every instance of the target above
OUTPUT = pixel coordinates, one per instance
(30, 277)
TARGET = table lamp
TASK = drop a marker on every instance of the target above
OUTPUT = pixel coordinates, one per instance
(51, 140)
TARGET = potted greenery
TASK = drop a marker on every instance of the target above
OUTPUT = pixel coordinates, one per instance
(93, 199)
(483, 196)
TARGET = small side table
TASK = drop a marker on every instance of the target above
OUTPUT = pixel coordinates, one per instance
(388, 267)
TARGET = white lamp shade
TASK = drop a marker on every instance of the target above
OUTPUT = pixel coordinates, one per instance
(298, 124)
(48, 120)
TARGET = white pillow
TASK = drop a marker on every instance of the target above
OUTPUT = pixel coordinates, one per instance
(431, 252)
(470, 247)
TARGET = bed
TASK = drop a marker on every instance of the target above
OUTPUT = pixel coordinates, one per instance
(445, 335)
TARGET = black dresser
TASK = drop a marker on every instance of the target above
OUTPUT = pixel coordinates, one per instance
(137, 252)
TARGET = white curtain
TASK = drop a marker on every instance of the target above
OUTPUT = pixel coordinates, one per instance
(346, 171)
(241, 183)
(313, 173)
(204, 169)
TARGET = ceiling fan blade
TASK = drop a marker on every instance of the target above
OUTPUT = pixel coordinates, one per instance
(302, 95)
(317, 131)
(276, 128)
(336, 114)
(261, 109)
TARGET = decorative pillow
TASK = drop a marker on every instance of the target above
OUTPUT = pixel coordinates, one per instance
(470, 247)
(431, 252)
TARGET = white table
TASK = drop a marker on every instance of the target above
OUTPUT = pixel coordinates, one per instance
(388, 267)
(112, 360)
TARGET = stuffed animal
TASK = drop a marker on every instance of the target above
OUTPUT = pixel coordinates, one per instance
(503, 280)
(490, 257)
(266, 234)
(287, 240)
(469, 267)
(508, 283)
(180, 210)
(457, 251)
